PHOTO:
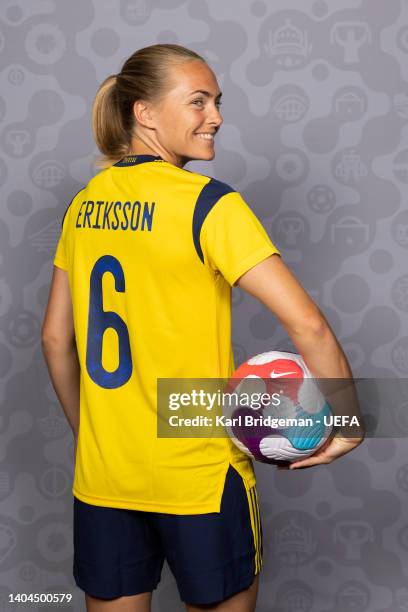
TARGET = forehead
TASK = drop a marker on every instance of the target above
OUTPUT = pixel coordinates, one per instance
(187, 77)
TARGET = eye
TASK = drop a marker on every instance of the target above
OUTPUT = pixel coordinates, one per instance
(201, 101)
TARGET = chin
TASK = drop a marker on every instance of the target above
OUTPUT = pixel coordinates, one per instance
(206, 155)
(199, 156)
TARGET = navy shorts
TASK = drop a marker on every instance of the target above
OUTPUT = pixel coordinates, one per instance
(212, 556)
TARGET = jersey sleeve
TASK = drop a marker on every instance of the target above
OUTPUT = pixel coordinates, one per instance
(60, 259)
(61, 254)
(233, 239)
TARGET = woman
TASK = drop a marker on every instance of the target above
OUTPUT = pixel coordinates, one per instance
(141, 290)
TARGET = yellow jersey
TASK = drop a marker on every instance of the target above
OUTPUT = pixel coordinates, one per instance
(152, 251)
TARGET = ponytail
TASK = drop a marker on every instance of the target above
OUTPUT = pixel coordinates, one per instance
(108, 130)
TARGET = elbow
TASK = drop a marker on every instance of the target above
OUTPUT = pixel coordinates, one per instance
(48, 337)
(318, 326)
(313, 327)
(51, 342)
(48, 343)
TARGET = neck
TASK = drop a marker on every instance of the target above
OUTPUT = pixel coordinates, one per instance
(141, 147)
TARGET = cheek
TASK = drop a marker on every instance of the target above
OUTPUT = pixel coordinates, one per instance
(173, 126)
(166, 133)
(182, 127)
(179, 124)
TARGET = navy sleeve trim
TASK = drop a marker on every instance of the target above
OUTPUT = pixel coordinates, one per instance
(209, 196)
(62, 222)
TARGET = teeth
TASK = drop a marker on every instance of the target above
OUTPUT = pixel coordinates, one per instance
(206, 136)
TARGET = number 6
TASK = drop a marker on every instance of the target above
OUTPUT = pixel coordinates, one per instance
(99, 320)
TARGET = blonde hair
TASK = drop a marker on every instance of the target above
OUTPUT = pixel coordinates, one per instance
(144, 75)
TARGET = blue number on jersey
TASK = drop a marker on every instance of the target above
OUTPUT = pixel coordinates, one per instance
(99, 320)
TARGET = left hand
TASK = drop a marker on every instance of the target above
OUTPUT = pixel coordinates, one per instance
(333, 448)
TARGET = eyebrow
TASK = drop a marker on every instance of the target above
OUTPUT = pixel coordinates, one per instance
(206, 93)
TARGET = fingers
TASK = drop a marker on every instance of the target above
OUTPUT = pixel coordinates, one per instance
(317, 459)
(296, 466)
(332, 449)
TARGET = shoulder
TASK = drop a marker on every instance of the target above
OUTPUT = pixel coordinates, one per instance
(95, 181)
(217, 196)
(216, 205)
(70, 204)
(209, 184)
(215, 189)
(211, 191)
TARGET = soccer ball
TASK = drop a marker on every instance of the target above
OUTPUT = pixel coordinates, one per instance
(276, 410)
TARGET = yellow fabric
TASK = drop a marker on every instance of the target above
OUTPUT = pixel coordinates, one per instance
(255, 516)
(146, 306)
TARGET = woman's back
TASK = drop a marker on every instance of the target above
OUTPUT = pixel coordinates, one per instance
(152, 251)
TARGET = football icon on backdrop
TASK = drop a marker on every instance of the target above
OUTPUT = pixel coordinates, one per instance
(287, 420)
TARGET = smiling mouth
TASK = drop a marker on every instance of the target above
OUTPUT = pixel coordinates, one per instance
(208, 137)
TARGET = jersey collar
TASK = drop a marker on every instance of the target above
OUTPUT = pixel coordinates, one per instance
(134, 160)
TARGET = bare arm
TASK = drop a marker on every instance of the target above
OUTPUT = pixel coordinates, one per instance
(274, 285)
(59, 347)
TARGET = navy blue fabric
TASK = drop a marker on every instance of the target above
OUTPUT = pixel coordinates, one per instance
(134, 160)
(66, 210)
(121, 552)
(209, 196)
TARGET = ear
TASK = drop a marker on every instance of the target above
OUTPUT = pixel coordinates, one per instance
(143, 113)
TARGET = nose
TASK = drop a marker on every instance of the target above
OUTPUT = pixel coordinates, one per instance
(215, 117)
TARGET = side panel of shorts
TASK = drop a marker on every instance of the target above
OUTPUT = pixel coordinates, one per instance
(256, 524)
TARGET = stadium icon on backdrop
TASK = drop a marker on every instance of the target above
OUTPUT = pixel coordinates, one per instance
(277, 411)
(288, 45)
